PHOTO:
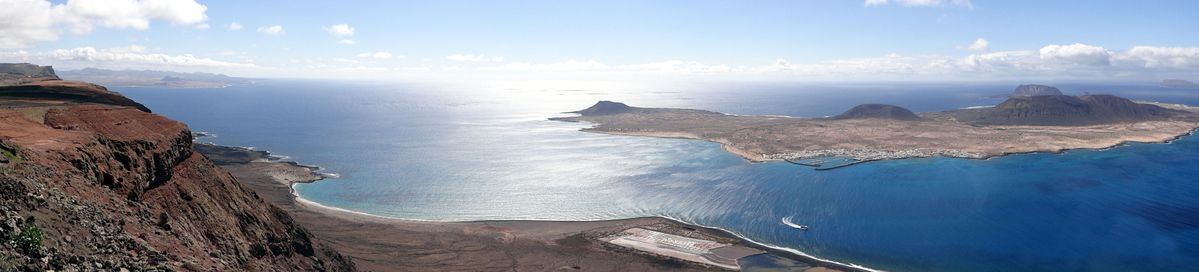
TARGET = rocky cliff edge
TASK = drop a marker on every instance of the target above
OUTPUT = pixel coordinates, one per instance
(103, 185)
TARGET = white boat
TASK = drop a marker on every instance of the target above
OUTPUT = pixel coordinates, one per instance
(787, 221)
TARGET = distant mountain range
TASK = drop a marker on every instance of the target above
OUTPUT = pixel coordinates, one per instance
(152, 78)
(1178, 84)
(1030, 105)
(1065, 110)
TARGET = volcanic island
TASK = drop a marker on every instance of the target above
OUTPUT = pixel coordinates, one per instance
(1035, 118)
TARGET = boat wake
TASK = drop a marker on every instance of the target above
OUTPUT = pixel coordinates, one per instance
(787, 221)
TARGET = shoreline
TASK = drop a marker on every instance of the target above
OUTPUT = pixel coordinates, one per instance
(850, 141)
(287, 187)
(776, 157)
(264, 177)
(777, 250)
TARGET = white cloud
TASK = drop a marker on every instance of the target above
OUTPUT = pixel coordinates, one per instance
(473, 58)
(133, 56)
(1084, 61)
(892, 64)
(676, 66)
(81, 16)
(377, 55)
(1079, 54)
(30, 21)
(340, 31)
(1073, 61)
(26, 22)
(782, 65)
(980, 45)
(1159, 57)
(660, 67)
(870, 3)
(363, 68)
(235, 26)
(274, 30)
(418, 68)
(570, 65)
(920, 3)
(998, 60)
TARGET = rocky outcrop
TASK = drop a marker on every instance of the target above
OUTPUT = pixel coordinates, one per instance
(21, 73)
(878, 111)
(110, 186)
(604, 108)
(1035, 90)
(70, 92)
(1061, 110)
(145, 147)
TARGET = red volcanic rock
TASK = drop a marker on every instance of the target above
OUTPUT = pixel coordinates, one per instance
(113, 186)
(69, 92)
(144, 146)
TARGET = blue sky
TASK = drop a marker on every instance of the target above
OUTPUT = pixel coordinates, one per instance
(749, 40)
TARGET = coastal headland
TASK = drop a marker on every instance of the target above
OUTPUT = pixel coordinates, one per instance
(93, 181)
(383, 244)
(1022, 124)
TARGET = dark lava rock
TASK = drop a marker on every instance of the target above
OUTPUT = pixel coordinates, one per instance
(1035, 90)
(1062, 110)
(878, 111)
(22, 73)
(26, 70)
(605, 108)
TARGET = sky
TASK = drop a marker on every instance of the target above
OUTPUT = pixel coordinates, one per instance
(826, 40)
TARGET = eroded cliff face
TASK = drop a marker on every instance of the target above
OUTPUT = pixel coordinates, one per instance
(113, 186)
(19, 73)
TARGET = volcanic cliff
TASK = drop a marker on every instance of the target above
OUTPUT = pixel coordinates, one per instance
(92, 181)
(21, 73)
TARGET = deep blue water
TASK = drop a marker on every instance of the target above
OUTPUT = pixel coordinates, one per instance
(435, 153)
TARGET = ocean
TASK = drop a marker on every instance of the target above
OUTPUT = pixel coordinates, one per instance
(426, 152)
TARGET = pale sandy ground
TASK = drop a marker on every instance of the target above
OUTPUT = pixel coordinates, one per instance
(756, 144)
(686, 248)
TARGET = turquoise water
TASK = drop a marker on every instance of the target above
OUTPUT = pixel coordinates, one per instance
(435, 153)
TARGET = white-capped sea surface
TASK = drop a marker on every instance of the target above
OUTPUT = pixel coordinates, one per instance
(453, 154)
